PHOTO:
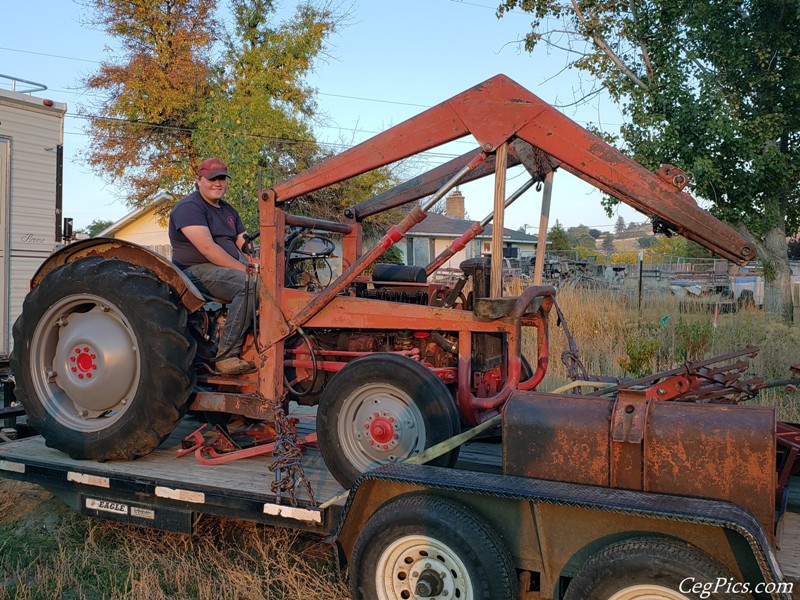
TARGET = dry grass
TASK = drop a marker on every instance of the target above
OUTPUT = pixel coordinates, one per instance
(46, 552)
(603, 321)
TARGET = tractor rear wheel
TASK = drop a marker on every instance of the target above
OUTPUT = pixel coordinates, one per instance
(383, 408)
(103, 359)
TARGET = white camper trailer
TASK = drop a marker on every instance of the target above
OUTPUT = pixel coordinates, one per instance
(31, 143)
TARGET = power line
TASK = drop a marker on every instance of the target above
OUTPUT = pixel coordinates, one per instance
(50, 55)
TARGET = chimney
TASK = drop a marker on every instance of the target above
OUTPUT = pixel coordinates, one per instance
(454, 205)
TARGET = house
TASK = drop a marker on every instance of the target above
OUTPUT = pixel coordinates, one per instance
(431, 237)
(145, 226)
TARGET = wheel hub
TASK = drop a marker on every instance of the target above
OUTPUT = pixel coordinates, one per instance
(95, 361)
(381, 430)
(430, 584)
(83, 362)
(418, 566)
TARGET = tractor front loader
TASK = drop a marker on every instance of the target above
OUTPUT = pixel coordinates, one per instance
(114, 344)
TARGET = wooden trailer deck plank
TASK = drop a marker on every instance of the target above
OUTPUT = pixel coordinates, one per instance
(251, 475)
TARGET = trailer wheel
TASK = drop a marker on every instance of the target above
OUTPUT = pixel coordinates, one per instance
(425, 546)
(103, 359)
(383, 408)
(652, 569)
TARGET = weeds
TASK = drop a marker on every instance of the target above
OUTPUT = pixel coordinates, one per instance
(71, 556)
(615, 339)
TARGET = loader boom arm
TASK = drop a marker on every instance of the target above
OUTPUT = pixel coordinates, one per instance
(500, 111)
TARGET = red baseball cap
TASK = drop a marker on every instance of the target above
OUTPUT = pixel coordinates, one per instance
(212, 167)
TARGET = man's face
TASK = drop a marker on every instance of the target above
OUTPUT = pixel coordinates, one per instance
(212, 189)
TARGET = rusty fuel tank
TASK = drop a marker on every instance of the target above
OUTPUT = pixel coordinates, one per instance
(715, 451)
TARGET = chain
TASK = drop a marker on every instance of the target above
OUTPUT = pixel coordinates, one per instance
(575, 368)
(287, 461)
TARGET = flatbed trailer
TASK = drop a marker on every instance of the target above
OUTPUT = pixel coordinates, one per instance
(169, 493)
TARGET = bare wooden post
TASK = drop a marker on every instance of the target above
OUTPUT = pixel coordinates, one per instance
(541, 242)
(496, 284)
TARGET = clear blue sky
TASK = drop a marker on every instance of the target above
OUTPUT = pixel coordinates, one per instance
(391, 60)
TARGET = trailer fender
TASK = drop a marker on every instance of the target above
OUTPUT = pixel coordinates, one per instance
(165, 270)
(552, 528)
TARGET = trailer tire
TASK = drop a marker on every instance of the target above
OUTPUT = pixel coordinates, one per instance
(103, 359)
(427, 540)
(649, 568)
(383, 408)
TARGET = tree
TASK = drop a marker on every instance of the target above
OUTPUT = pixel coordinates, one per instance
(619, 226)
(711, 87)
(608, 243)
(97, 226)
(140, 133)
(257, 111)
(595, 233)
(557, 238)
(171, 101)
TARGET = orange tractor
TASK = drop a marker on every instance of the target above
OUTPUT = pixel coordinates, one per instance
(114, 344)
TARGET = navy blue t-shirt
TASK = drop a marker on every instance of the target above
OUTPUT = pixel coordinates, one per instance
(224, 224)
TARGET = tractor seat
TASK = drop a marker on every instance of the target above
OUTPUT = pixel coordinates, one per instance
(389, 273)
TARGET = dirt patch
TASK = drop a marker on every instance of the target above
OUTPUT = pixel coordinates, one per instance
(25, 503)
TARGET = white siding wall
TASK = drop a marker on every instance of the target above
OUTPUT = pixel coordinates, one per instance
(34, 130)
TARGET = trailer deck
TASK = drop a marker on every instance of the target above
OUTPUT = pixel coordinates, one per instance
(162, 491)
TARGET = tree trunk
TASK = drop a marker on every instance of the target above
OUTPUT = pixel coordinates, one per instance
(777, 275)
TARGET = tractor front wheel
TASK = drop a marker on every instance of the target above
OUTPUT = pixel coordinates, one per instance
(383, 408)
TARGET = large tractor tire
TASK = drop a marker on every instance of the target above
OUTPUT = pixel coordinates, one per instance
(380, 409)
(103, 359)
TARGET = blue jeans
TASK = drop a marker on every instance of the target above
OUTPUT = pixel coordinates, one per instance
(229, 285)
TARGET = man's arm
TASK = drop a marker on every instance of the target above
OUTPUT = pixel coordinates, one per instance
(200, 237)
(240, 242)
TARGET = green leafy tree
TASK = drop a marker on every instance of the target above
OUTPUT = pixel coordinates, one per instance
(257, 111)
(713, 87)
(619, 226)
(647, 241)
(608, 243)
(96, 226)
(558, 239)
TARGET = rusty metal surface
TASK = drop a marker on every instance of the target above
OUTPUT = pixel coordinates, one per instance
(247, 405)
(628, 423)
(717, 451)
(714, 451)
(130, 252)
(557, 437)
(498, 111)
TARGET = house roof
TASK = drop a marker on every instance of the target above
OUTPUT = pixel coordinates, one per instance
(135, 215)
(436, 225)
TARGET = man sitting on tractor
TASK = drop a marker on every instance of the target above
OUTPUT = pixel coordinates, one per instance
(207, 236)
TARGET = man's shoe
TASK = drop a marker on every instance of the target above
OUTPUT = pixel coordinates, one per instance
(234, 365)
